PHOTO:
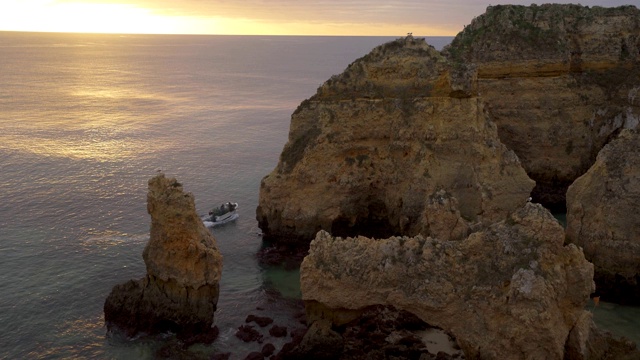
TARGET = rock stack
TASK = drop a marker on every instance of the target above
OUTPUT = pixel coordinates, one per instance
(180, 290)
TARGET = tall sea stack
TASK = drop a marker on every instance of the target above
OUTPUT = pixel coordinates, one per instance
(180, 291)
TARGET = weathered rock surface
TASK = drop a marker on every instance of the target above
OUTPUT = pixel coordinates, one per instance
(397, 144)
(558, 80)
(180, 291)
(603, 208)
(511, 291)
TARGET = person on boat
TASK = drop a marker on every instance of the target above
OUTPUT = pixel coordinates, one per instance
(223, 209)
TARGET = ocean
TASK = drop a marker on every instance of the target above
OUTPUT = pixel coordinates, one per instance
(86, 120)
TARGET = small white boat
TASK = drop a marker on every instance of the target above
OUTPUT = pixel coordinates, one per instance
(220, 215)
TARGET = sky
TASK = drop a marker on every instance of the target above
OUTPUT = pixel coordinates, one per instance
(254, 17)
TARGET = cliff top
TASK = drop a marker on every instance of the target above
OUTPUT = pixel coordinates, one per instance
(548, 31)
(402, 68)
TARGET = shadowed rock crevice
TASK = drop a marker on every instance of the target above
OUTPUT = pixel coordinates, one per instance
(602, 218)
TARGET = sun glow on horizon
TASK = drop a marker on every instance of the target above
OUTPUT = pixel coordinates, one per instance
(85, 17)
(52, 16)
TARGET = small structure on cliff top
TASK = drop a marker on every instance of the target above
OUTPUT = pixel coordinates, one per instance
(180, 291)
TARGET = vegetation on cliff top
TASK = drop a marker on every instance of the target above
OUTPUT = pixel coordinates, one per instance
(402, 68)
(534, 32)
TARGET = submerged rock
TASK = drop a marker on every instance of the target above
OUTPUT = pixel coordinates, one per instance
(602, 216)
(180, 291)
(248, 333)
(381, 332)
(511, 291)
(560, 81)
(397, 144)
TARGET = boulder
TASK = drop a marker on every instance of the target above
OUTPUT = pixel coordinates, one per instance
(602, 217)
(180, 290)
(382, 148)
(248, 333)
(510, 291)
(559, 81)
(268, 350)
(260, 320)
(278, 331)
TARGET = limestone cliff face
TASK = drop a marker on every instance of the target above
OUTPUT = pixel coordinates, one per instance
(558, 80)
(397, 144)
(602, 217)
(180, 291)
(511, 291)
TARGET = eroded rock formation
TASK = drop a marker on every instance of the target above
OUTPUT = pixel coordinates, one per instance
(560, 81)
(603, 208)
(511, 291)
(397, 144)
(408, 145)
(180, 291)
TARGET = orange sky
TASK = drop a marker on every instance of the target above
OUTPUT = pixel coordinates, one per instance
(251, 17)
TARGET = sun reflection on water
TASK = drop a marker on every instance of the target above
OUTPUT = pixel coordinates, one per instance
(103, 150)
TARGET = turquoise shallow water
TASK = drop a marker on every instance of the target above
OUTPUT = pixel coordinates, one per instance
(86, 120)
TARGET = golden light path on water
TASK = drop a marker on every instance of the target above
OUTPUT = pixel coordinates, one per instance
(98, 150)
(105, 126)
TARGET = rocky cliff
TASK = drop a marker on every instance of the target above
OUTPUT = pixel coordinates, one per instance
(602, 217)
(397, 144)
(560, 81)
(180, 291)
(512, 291)
(415, 147)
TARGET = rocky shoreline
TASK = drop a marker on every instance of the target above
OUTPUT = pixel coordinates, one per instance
(414, 193)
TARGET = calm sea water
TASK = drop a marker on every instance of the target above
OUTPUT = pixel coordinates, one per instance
(86, 120)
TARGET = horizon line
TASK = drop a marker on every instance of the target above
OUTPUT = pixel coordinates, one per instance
(206, 34)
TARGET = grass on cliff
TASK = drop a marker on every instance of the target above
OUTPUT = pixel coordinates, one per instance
(512, 28)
